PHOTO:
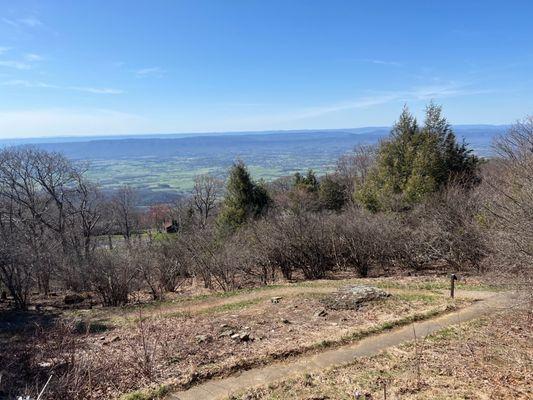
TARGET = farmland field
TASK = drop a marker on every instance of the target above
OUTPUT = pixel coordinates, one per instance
(164, 166)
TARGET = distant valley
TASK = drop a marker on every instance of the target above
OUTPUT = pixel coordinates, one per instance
(163, 166)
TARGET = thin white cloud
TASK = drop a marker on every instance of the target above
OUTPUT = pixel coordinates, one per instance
(383, 62)
(416, 93)
(150, 71)
(33, 57)
(374, 99)
(95, 90)
(4, 50)
(10, 22)
(30, 84)
(15, 64)
(31, 22)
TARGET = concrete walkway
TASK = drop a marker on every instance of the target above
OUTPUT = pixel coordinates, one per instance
(223, 388)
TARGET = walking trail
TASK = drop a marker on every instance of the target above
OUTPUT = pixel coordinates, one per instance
(223, 388)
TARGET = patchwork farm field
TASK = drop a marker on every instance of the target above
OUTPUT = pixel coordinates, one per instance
(164, 166)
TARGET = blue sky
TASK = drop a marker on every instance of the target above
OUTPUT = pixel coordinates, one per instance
(126, 67)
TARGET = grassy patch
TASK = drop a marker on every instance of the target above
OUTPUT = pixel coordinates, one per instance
(425, 298)
(147, 394)
(232, 306)
(388, 325)
(91, 327)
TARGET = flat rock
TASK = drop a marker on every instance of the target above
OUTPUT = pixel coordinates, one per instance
(227, 332)
(352, 297)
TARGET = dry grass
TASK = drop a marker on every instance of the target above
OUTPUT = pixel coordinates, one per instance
(123, 351)
(488, 358)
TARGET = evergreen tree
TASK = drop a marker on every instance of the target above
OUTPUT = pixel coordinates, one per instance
(332, 194)
(244, 200)
(416, 161)
(308, 182)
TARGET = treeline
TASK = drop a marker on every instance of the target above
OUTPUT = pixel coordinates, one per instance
(418, 200)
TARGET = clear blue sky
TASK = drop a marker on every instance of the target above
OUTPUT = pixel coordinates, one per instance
(117, 67)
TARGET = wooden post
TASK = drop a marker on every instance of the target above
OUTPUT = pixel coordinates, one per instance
(453, 278)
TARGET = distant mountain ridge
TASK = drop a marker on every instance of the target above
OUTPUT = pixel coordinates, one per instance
(168, 145)
(164, 166)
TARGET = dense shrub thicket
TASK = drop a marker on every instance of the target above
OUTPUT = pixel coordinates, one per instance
(419, 200)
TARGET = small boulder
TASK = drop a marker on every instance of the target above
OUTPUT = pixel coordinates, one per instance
(111, 340)
(276, 299)
(320, 313)
(353, 297)
(241, 336)
(227, 332)
(202, 338)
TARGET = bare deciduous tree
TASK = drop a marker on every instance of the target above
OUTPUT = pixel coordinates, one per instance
(511, 187)
(206, 193)
(354, 167)
(125, 212)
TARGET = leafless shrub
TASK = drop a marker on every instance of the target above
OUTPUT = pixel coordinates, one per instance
(144, 349)
(211, 259)
(297, 241)
(112, 274)
(509, 185)
(363, 240)
(353, 167)
(447, 229)
(163, 265)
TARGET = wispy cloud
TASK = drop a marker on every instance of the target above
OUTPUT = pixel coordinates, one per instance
(416, 93)
(4, 50)
(32, 22)
(150, 71)
(95, 90)
(14, 64)
(42, 85)
(419, 93)
(33, 57)
(29, 21)
(10, 22)
(383, 62)
(27, 84)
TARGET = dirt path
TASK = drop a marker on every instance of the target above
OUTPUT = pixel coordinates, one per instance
(222, 388)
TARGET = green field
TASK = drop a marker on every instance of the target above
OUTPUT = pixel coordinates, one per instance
(177, 174)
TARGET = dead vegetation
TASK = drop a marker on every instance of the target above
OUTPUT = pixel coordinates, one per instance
(488, 358)
(105, 357)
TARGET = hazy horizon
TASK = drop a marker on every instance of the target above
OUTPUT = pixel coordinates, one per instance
(75, 69)
(111, 136)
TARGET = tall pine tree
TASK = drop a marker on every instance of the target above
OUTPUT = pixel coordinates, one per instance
(416, 161)
(244, 200)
